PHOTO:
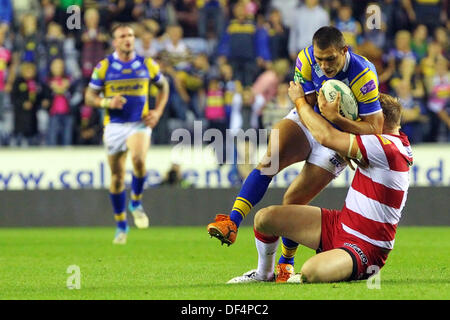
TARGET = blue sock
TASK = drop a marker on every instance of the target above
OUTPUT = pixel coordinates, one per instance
(118, 201)
(252, 191)
(137, 187)
(288, 250)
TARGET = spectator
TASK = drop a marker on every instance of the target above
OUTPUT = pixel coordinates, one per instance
(5, 59)
(22, 8)
(161, 11)
(94, 42)
(89, 129)
(187, 16)
(428, 64)
(60, 129)
(122, 10)
(428, 12)
(192, 83)
(216, 116)
(413, 116)
(174, 177)
(146, 45)
(54, 43)
(175, 47)
(287, 10)
(6, 14)
(278, 36)
(231, 88)
(244, 46)
(308, 19)
(245, 116)
(439, 102)
(401, 51)
(419, 41)
(441, 35)
(27, 48)
(211, 20)
(409, 73)
(266, 85)
(348, 25)
(27, 93)
(277, 108)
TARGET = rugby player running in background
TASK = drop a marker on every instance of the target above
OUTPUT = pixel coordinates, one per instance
(123, 78)
(354, 242)
(328, 58)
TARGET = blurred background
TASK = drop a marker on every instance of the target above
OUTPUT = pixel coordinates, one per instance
(229, 63)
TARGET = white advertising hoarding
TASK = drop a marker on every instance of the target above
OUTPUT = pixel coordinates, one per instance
(86, 167)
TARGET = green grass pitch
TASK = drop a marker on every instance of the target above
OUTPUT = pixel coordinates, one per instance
(183, 263)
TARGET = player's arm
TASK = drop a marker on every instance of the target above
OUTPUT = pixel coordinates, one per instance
(93, 96)
(342, 142)
(163, 94)
(303, 76)
(365, 88)
(158, 79)
(370, 124)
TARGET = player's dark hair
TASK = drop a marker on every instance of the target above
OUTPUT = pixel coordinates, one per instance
(119, 25)
(329, 36)
(392, 110)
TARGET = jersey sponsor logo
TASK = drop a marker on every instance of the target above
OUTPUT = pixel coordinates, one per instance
(126, 88)
(369, 86)
(358, 251)
(127, 71)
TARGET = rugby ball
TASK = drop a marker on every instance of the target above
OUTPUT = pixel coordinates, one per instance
(348, 107)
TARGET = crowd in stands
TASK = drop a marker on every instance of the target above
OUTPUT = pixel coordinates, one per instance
(229, 62)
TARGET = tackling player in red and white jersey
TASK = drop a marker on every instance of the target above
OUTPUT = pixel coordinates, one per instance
(362, 233)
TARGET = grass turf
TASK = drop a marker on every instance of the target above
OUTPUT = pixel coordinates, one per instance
(182, 263)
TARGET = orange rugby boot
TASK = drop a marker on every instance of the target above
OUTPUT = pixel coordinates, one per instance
(283, 272)
(223, 229)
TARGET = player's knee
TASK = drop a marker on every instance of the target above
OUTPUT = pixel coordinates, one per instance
(138, 164)
(264, 218)
(311, 272)
(117, 182)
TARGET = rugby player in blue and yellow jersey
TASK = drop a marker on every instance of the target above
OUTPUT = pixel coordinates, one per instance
(120, 84)
(328, 58)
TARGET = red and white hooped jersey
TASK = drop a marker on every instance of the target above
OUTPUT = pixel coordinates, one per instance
(375, 200)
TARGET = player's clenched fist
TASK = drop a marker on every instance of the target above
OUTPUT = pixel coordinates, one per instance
(152, 118)
(115, 102)
(295, 91)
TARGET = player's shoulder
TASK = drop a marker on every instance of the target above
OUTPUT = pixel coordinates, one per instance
(306, 56)
(103, 64)
(359, 64)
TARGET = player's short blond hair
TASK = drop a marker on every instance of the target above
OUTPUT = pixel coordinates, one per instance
(392, 110)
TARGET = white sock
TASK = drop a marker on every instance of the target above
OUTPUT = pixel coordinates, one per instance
(266, 259)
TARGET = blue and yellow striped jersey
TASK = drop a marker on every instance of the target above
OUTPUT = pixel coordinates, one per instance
(358, 73)
(131, 80)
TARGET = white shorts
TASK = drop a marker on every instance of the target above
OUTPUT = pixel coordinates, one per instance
(320, 156)
(116, 135)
